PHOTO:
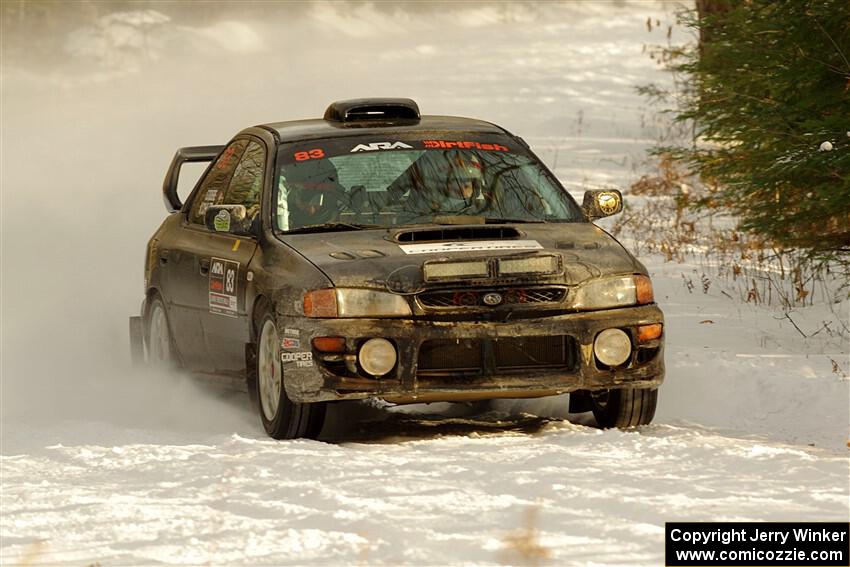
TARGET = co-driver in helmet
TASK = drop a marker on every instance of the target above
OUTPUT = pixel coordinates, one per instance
(312, 192)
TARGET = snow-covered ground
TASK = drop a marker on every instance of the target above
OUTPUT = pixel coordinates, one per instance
(420, 493)
(748, 429)
(101, 464)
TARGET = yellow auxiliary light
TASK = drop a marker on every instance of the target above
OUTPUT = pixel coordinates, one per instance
(456, 270)
(531, 265)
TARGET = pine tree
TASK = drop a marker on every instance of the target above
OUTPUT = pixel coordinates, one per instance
(768, 94)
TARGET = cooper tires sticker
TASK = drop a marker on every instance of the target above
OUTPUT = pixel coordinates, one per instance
(301, 359)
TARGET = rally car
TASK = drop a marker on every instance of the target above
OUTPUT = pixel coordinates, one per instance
(379, 253)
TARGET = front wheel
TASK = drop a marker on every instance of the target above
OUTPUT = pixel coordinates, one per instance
(282, 418)
(160, 348)
(626, 407)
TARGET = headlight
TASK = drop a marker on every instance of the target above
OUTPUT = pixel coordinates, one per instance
(348, 302)
(614, 292)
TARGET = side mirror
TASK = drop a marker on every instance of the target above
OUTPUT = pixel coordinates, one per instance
(600, 204)
(232, 219)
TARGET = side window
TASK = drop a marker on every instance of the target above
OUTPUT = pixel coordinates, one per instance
(214, 185)
(247, 181)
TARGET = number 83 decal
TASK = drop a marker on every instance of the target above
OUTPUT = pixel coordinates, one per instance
(309, 154)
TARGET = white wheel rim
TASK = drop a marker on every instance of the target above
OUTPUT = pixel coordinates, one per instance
(268, 368)
(159, 344)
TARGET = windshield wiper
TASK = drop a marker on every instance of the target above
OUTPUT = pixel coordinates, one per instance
(477, 219)
(330, 227)
(499, 220)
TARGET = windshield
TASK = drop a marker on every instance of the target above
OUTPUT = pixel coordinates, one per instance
(358, 181)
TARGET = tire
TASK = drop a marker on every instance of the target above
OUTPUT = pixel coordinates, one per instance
(626, 407)
(158, 341)
(282, 418)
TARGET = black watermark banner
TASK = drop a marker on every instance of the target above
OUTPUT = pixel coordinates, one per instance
(761, 544)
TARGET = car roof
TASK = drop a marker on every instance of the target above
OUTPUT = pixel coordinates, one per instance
(297, 130)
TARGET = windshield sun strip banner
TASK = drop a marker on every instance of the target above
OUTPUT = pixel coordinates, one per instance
(319, 149)
(447, 145)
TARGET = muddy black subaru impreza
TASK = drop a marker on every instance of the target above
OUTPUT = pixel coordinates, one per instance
(378, 253)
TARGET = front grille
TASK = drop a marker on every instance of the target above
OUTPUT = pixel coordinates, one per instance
(446, 299)
(495, 356)
(455, 355)
(533, 352)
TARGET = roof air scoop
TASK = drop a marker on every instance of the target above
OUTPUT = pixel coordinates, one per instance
(377, 109)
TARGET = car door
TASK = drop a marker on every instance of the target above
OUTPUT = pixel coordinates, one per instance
(186, 279)
(224, 268)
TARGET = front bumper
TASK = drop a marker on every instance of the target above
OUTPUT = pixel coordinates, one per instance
(308, 378)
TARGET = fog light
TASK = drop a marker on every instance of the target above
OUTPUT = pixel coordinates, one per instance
(612, 347)
(377, 356)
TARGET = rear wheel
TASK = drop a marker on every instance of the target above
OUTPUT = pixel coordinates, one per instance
(282, 418)
(137, 341)
(626, 407)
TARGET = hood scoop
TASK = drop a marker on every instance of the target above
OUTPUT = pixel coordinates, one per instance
(458, 233)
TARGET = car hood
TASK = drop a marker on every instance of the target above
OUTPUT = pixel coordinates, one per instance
(381, 258)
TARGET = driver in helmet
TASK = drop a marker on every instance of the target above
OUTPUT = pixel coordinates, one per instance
(443, 183)
(465, 185)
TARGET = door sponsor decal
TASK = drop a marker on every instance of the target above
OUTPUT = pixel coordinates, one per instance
(223, 281)
(471, 246)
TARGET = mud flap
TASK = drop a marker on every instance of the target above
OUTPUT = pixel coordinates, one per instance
(137, 347)
(251, 374)
(580, 402)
